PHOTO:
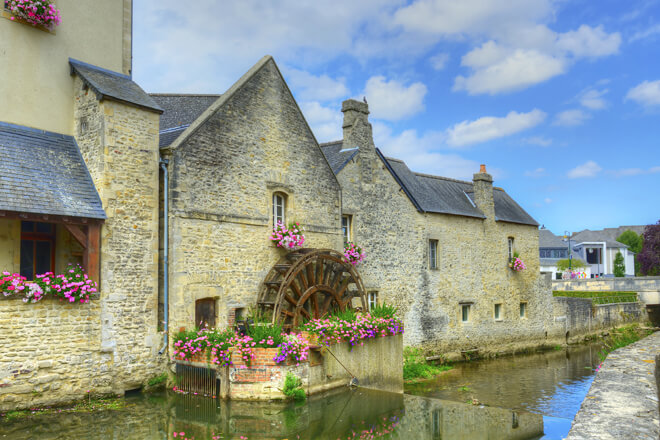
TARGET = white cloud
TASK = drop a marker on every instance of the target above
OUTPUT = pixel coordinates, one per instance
(646, 93)
(649, 32)
(392, 100)
(570, 118)
(547, 200)
(538, 140)
(490, 127)
(593, 99)
(310, 87)
(325, 121)
(439, 61)
(587, 169)
(494, 72)
(627, 172)
(539, 172)
(589, 42)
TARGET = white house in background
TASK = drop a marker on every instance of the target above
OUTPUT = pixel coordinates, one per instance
(598, 250)
(552, 249)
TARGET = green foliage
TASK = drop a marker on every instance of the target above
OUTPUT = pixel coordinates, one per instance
(261, 332)
(345, 315)
(293, 387)
(621, 337)
(383, 311)
(607, 297)
(575, 263)
(157, 380)
(415, 365)
(631, 239)
(619, 266)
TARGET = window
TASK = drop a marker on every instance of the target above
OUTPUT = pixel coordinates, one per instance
(433, 254)
(465, 312)
(347, 227)
(205, 313)
(593, 256)
(497, 312)
(558, 276)
(372, 298)
(523, 310)
(37, 248)
(510, 248)
(279, 208)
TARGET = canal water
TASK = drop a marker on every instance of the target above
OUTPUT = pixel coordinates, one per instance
(519, 397)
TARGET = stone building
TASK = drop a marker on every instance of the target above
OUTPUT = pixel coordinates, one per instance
(78, 184)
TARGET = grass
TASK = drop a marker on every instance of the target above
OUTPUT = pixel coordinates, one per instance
(599, 297)
(415, 366)
(89, 405)
(157, 380)
(622, 337)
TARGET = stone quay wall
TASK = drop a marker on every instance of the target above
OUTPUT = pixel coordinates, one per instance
(647, 288)
(623, 399)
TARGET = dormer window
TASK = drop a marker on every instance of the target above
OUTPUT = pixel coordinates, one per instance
(279, 208)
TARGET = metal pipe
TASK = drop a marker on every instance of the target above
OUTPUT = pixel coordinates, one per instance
(163, 166)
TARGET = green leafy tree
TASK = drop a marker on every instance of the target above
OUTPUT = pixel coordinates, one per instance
(619, 265)
(575, 263)
(634, 243)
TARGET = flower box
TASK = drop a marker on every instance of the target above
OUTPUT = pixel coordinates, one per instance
(40, 14)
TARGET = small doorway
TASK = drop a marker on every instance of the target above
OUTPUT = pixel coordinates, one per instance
(205, 313)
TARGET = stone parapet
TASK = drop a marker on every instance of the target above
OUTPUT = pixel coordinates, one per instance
(622, 402)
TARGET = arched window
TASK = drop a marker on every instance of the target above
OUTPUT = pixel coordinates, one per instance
(279, 208)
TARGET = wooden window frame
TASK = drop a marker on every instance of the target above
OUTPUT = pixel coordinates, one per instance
(283, 198)
(49, 237)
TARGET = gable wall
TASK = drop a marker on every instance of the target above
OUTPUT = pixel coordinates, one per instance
(222, 180)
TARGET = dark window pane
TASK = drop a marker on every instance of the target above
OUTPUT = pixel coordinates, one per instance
(42, 257)
(205, 313)
(27, 259)
(46, 228)
(27, 226)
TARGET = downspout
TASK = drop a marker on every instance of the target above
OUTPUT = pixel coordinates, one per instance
(163, 166)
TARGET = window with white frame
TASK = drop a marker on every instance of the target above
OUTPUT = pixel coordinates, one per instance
(433, 254)
(372, 299)
(279, 208)
(523, 310)
(497, 312)
(511, 248)
(465, 312)
(347, 227)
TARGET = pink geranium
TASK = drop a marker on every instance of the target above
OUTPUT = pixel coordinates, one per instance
(36, 12)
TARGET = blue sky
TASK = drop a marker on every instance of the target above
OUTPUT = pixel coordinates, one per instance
(560, 99)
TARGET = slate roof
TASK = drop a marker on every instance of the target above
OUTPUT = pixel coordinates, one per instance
(549, 240)
(507, 210)
(113, 85)
(337, 157)
(595, 236)
(44, 173)
(181, 109)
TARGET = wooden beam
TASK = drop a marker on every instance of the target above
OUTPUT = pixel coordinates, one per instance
(77, 233)
(92, 252)
(49, 218)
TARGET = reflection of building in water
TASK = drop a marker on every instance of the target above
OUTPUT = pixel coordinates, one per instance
(434, 419)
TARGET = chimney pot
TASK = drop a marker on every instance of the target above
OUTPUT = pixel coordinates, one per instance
(482, 168)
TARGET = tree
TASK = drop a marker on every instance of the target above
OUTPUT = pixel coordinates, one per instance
(649, 257)
(619, 265)
(631, 239)
(576, 263)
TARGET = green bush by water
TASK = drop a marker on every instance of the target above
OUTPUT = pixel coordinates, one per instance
(606, 297)
(293, 387)
(415, 365)
(621, 337)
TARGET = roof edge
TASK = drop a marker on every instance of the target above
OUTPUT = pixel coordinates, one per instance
(398, 180)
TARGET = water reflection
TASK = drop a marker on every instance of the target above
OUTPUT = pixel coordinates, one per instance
(349, 414)
(552, 383)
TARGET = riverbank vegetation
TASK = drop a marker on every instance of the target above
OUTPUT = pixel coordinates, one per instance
(416, 367)
(621, 337)
(88, 405)
(599, 297)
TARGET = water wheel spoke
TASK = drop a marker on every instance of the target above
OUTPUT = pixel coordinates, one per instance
(303, 281)
(344, 286)
(321, 265)
(326, 305)
(288, 313)
(290, 300)
(305, 313)
(311, 280)
(295, 289)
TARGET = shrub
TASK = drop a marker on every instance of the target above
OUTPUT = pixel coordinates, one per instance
(385, 311)
(619, 268)
(415, 365)
(575, 263)
(293, 387)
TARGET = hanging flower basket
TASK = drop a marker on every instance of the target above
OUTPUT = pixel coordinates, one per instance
(353, 254)
(516, 263)
(289, 237)
(41, 13)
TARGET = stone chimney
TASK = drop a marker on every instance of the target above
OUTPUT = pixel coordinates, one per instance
(483, 192)
(357, 129)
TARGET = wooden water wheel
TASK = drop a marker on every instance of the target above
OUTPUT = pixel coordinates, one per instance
(307, 284)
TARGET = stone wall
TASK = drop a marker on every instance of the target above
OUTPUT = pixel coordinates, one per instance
(253, 142)
(647, 288)
(54, 353)
(472, 260)
(575, 318)
(623, 399)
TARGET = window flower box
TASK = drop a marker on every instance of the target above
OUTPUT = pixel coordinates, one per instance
(353, 254)
(516, 263)
(42, 14)
(289, 237)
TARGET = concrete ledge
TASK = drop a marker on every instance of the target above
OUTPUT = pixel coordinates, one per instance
(622, 402)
